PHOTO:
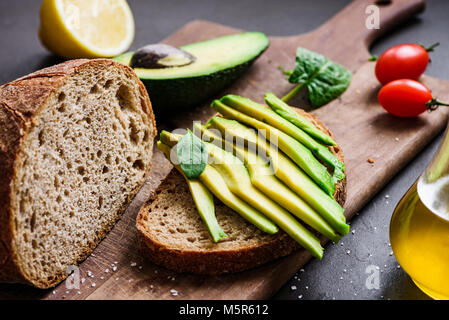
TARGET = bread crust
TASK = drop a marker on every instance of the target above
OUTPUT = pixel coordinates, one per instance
(20, 102)
(225, 261)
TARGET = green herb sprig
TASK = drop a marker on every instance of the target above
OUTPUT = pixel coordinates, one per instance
(325, 79)
(192, 155)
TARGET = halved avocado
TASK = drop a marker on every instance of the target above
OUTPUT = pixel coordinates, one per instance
(219, 62)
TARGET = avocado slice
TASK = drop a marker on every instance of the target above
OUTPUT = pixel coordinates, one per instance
(287, 171)
(215, 184)
(237, 179)
(218, 63)
(204, 201)
(262, 177)
(286, 112)
(265, 114)
(301, 155)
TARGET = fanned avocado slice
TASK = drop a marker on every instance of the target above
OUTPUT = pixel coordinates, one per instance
(219, 62)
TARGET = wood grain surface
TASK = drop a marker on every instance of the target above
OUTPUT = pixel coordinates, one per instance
(357, 121)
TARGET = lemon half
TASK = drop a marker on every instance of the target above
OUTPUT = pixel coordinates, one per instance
(86, 28)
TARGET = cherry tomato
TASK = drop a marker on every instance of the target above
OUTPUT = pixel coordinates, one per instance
(403, 61)
(405, 98)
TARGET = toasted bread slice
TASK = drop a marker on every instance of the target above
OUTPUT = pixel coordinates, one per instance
(173, 235)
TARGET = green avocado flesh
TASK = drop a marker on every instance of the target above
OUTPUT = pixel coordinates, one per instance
(287, 171)
(238, 181)
(265, 114)
(219, 62)
(297, 152)
(262, 178)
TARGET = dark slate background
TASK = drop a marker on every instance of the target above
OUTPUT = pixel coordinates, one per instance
(341, 274)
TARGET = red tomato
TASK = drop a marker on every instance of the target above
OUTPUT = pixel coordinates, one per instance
(405, 98)
(404, 61)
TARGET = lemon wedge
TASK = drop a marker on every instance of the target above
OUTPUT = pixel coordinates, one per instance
(86, 28)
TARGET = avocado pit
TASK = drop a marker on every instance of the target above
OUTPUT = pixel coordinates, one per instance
(158, 56)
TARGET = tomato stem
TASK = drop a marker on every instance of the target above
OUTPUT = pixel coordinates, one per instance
(431, 47)
(434, 103)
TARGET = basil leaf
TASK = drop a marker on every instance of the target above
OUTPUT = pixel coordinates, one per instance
(192, 155)
(325, 79)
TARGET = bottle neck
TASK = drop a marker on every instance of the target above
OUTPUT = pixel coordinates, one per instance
(439, 166)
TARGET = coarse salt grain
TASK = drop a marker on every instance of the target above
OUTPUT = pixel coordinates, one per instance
(133, 264)
(293, 288)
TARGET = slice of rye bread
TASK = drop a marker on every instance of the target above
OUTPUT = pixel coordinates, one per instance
(76, 143)
(173, 235)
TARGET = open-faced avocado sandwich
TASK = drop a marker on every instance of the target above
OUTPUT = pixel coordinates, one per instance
(255, 183)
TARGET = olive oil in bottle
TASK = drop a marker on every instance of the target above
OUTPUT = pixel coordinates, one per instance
(419, 235)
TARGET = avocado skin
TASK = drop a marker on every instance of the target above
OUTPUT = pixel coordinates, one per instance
(183, 93)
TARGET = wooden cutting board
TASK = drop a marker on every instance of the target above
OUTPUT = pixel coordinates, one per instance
(359, 124)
